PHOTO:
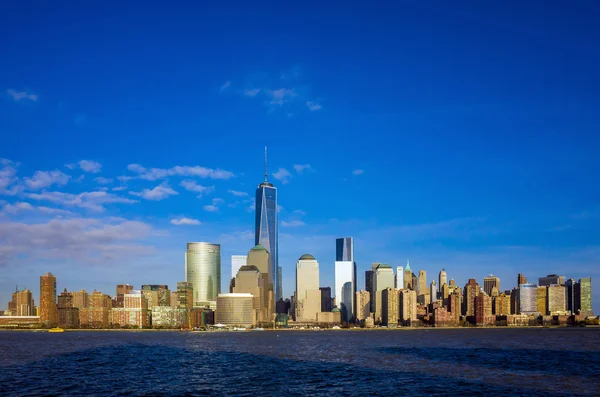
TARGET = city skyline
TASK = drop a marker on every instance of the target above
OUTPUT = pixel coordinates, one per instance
(467, 149)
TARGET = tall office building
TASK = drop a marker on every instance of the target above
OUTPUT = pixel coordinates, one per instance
(203, 270)
(22, 303)
(344, 249)
(528, 299)
(389, 307)
(345, 289)
(583, 296)
(408, 277)
(471, 291)
(265, 229)
(442, 279)
(551, 279)
(48, 309)
(369, 279)
(237, 261)
(433, 291)
(556, 296)
(259, 256)
(308, 294)
(363, 305)
(248, 280)
(326, 303)
(489, 283)
(399, 277)
(521, 279)
(541, 300)
(422, 283)
(408, 306)
(570, 294)
(383, 278)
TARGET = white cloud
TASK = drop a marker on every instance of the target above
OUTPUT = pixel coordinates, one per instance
(18, 95)
(184, 221)
(217, 201)
(22, 206)
(90, 166)
(80, 239)
(252, 93)
(292, 223)
(211, 208)
(280, 96)
(71, 166)
(192, 186)
(358, 172)
(283, 175)
(90, 200)
(300, 168)
(225, 86)
(157, 193)
(299, 212)
(313, 105)
(238, 193)
(8, 180)
(42, 179)
(153, 174)
(103, 181)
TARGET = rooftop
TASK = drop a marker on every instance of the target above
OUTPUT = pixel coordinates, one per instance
(307, 257)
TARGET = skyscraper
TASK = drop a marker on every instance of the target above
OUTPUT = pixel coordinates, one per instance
(48, 309)
(22, 303)
(383, 278)
(583, 296)
(433, 291)
(521, 279)
(237, 261)
(443, 279)
(490, 282)
(399, 277)
(422, 282)
(203, 270)
(265, 229)
(344, 249)
(345, 287)
(471, 291)
(551, 279)
(259, 256)
(408, 277)
(570, 294)
(528, 299)
(308, 294)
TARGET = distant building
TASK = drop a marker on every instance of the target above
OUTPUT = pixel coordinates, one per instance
(556, 299)
(48, 309)
(471, 290)
(345, 289)
(483, 310)
(134, 313)
(203, 270)
(383, 278)
(235, 310)
(237, 261)
(442, 279)
(344, 249)
(408, 306)
(528, 299)
(331, 318)
(433, 292)
(583, 296)
(80, 299)
(501, 304)
(121, 290)
(399, 277)
(308, 294)
(326, 305)
(369, 284)
(408, 277)
(260, 257)
(521, 279)
(157, 294)
(422, 283)
(68, 316)
(97, 314)
(489, 283)
(249, 280)
(570, 294)
(389, 307)
(22, 303)
(551, 279)
(363, 305)
(541, 300)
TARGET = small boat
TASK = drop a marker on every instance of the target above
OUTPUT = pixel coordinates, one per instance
(56, 329)
(239, 329)
(259, 329)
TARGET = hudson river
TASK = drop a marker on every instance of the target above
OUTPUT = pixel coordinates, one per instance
(502, 362)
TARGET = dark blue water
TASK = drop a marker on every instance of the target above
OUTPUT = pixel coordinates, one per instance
(540, 362)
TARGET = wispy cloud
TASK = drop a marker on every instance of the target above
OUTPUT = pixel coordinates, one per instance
(42, 179)
(299, 212)
(94, 201)
(103, 181)
(283, 175)
(157, 193)
(211, 208)
(184, 221)
(90, 166)
(19, 95)
(295, 223)
(8, 180)
(300, 168)
(192, 186)
(252, 92)
(153, 174)
(313, 106)
(22, 206)
(238, 193)
(225, 86)
(280, 96)
(358, 172)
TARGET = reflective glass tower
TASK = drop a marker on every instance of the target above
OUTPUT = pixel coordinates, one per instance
(265, 230)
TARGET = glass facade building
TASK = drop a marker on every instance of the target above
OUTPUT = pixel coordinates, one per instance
(203, 270)
(344, 249)
(345, 289)
(265, 232)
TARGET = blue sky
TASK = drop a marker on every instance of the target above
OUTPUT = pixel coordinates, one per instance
(460, 136)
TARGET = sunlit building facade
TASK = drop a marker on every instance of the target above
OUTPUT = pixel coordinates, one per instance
(203, 270)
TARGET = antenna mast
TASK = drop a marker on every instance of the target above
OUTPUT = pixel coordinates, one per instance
(266, 173)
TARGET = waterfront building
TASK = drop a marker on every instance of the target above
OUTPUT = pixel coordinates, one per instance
(260, 257)
(570, 294)
(541, 300)
(521, 279)
(433, 292)
(235, 310)
(514, 301)
(97, 314)
(551, 279)
(389, 307)
(583, 296)
(527, 299)
(167, 317)
(121, 290)
(203, 270)
(383, 278)
(445, 292)
(326, 302)
(22, 303)
(331, 318)
(157, 294)
(266, 227)
(136, 310)
(489, 283)
(369, 284)
(422, 283)
(185, 295)
(237, 261)
(249, 280)
(308, 294)
(68, 316)
(556, 299)
(48, 309)
(399, 277)
(471, 290)
(345, 289)
(501, 304)
(483, 310)
(454, 305)
(80, 299)
(408, 306)
(363, 305)
(408, 277)
(442, 279)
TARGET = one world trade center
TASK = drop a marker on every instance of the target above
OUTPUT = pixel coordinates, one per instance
(265, 231)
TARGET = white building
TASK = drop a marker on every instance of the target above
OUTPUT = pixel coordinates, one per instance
(528, 299)
(399, 277)
(308, 294)
(345, 287)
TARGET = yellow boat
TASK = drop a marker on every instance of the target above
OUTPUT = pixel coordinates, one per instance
(56, 329)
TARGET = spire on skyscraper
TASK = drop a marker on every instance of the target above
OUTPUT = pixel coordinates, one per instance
(266, 173)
